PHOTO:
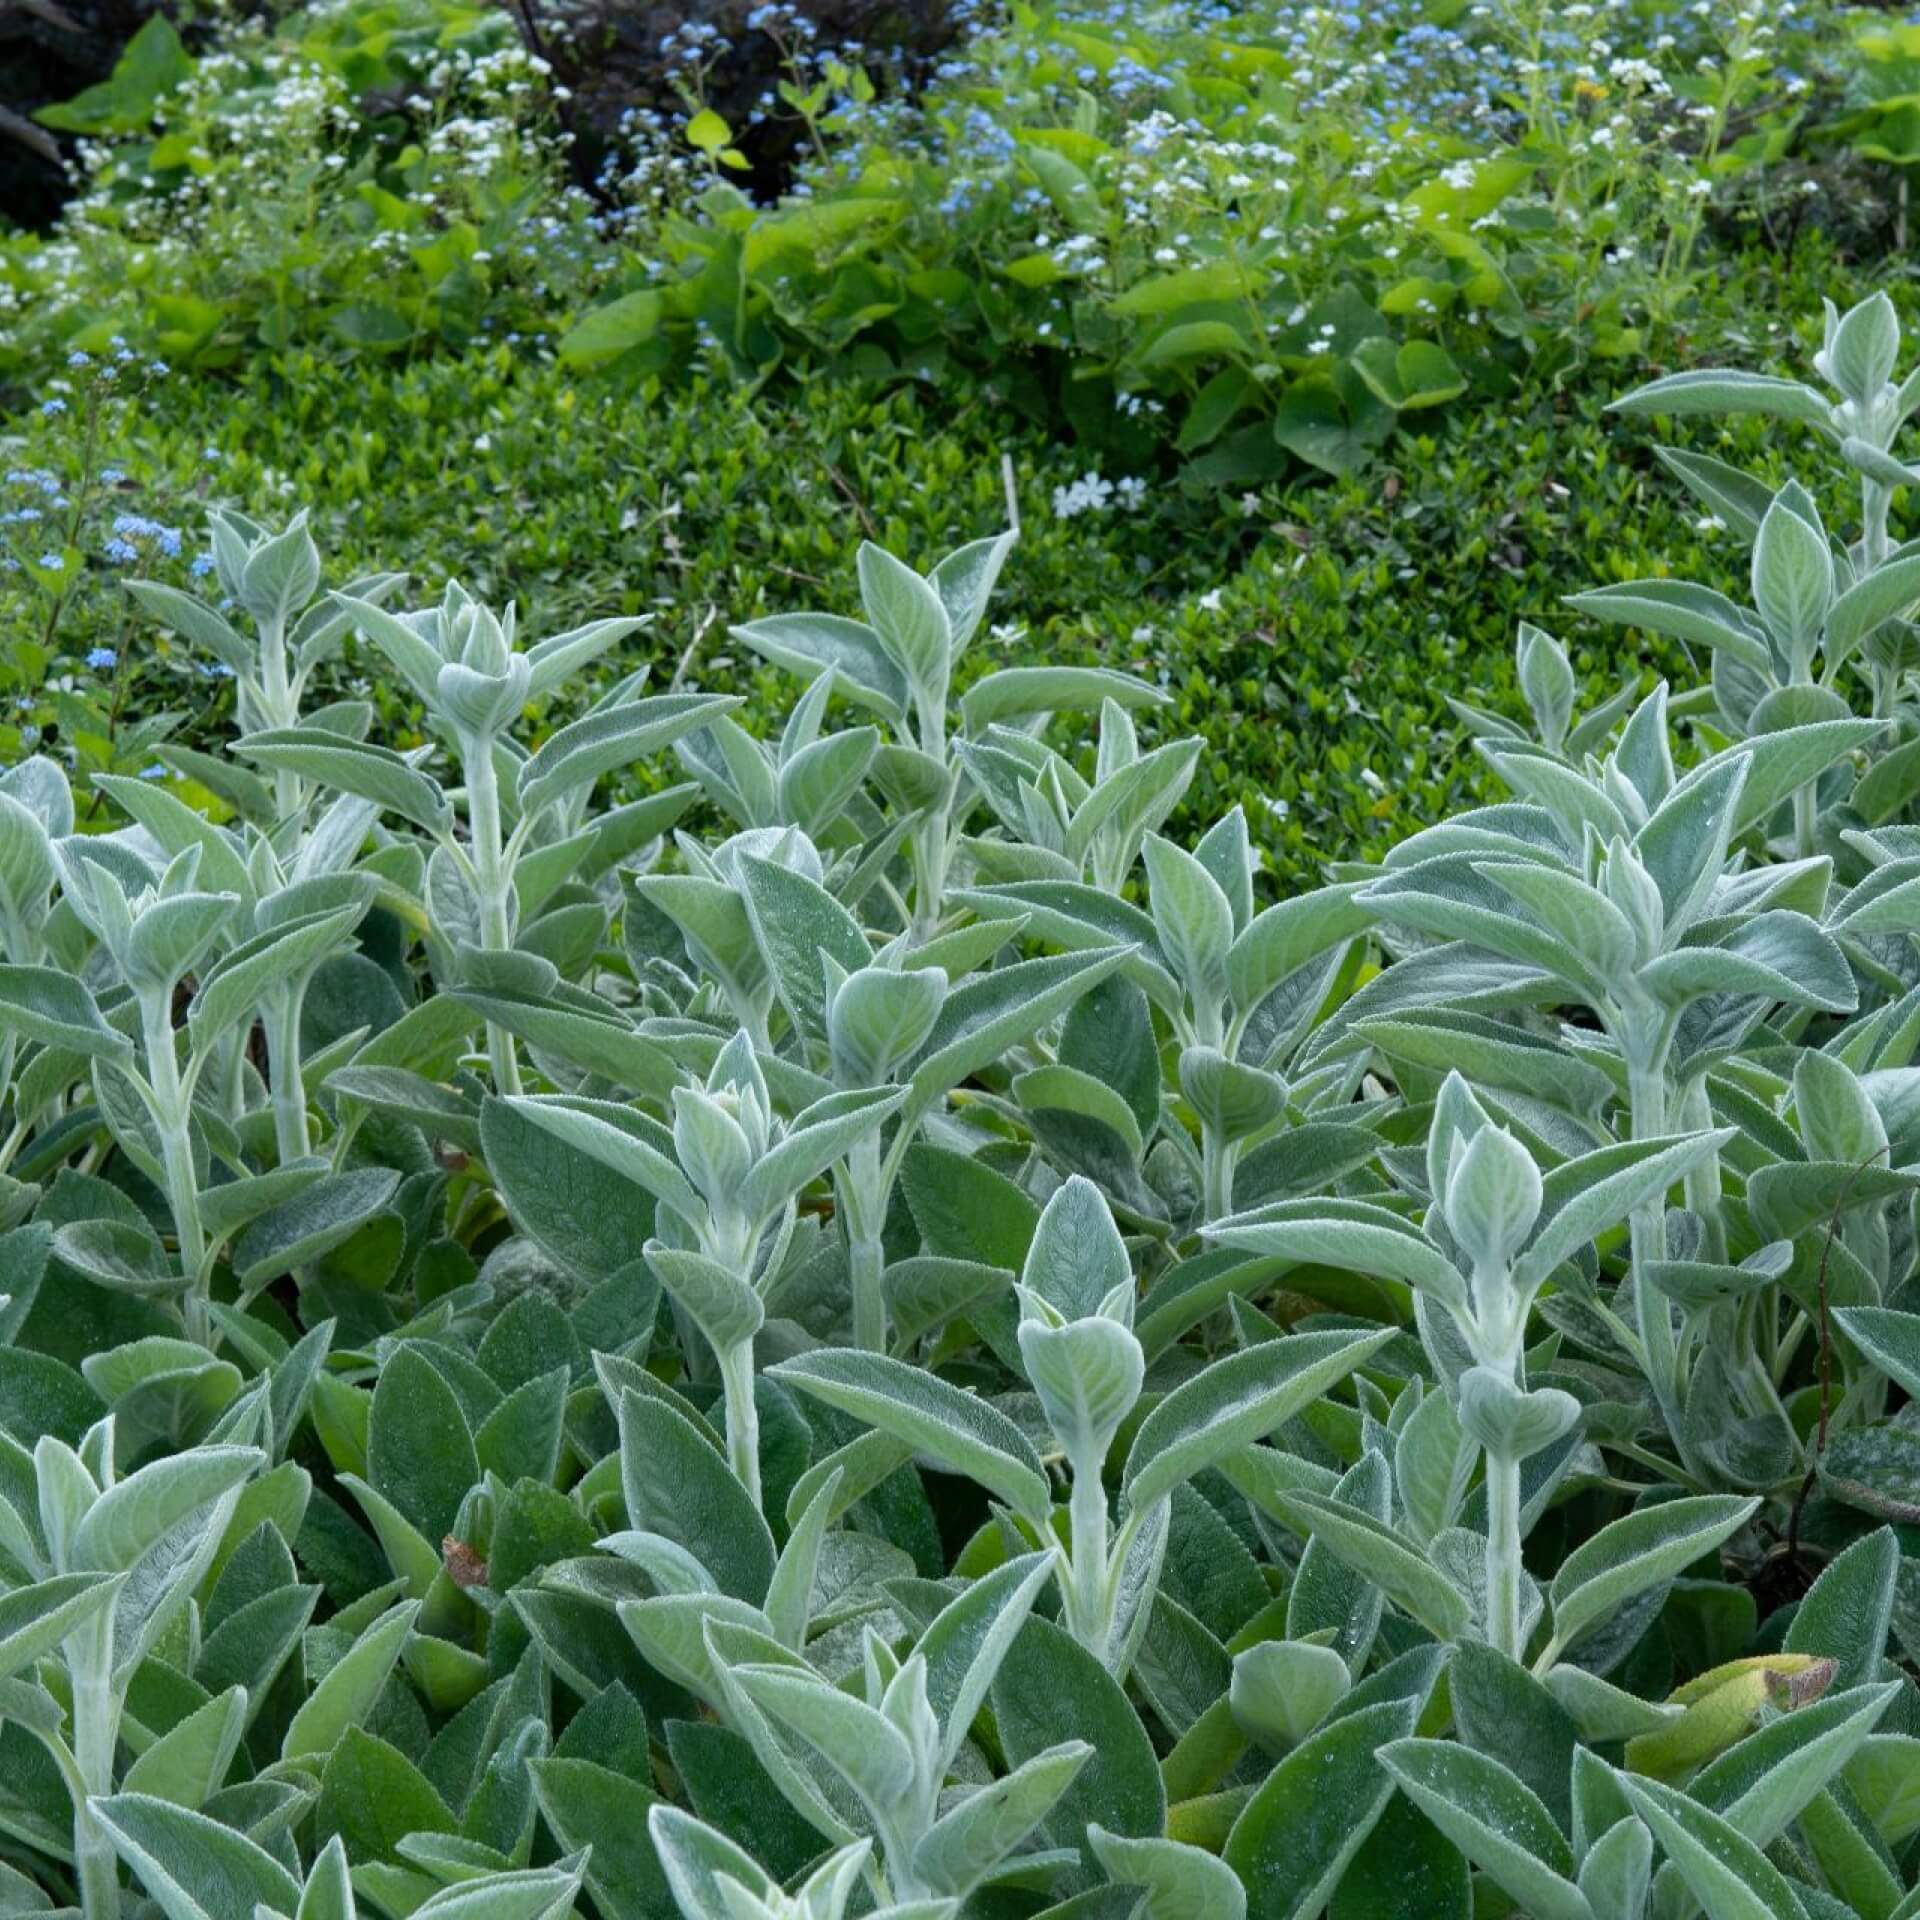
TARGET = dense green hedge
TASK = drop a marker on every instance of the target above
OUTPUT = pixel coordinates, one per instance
(1312, 633)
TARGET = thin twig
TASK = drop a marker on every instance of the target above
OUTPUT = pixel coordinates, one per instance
(853, 500)
(693, 646)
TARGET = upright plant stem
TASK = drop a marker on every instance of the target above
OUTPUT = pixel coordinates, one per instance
(856, 1186)
(95, 1734)
(291, 1134)
(1504, 1567)
(743, 1416)
(1087, 1513)
(278, 689)
(1647, 1226)
(175, 1122)
(496, 911)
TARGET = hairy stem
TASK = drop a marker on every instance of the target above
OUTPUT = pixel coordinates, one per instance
(1504, 1570)
(743, 1416)
(174, 1119)
(495, 888)
(291, 1134)
(96, 1732)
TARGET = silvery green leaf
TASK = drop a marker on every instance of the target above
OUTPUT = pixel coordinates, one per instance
(1433, 1466)
(120, 1256)
(1772, 956)
(1738, 499)
(1684, 841)
(862, 1464)
(1730, 1877)
(984, 1017)
(953, 1427)
(1087, 1374)
(669, 1630)
(353, 766)
(1618, 1869)
(1127, 804)
(552, 660)
(403, 638)
(1492, 1054)
(711, 916)
(909, 619)
(1860, 352)
(796, 921)
(309, 1223)
(1492, 1196)
(817, 784)
(1014, 692)
(281, 574)
(965, 581)
(1585, 1196)
(1353, 1234)
(537, 1893)
(1233, 1100)
(1232, 1403)
(1282, 1689)
(231, 991)
(966, 1844)
(1076, 1258)
(133, 1515)
(855, 1739)
(790, 1592)
(196, 622)
(1889, 1339)
(1761, 1784)
(1452, 897)
(352, 1686)
(611, 737)
(1781, 762)
(820, 1135)
(1389, 1558)
(1575, 802)
(1649, 1546)
(1495, 1819)
(1509, 1420)
(879, 1018)
(724, 1307)
(1194, 921)
(1285, 937)
(1546, 680)
(811, 643)
(1724, 390)
(190, 1761)
(175, 826)
(1590, 924)
(1792, 572)
(696, 1859)
(1682, 611)
(590, 1127)
(35, 1619)
(966, 1641)
(193, 1867)
(171, 936)
(1888, 591)
(676, 1485)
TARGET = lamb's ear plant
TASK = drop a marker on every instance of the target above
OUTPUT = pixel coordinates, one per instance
(1494, 1234)
(462, 660)
(1814, 598)
(899, 663)
(1619, 889)
(726, 1177)
(110, 1560)
(274, 578)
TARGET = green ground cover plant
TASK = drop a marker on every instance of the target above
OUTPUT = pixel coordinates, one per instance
(884, 1317)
